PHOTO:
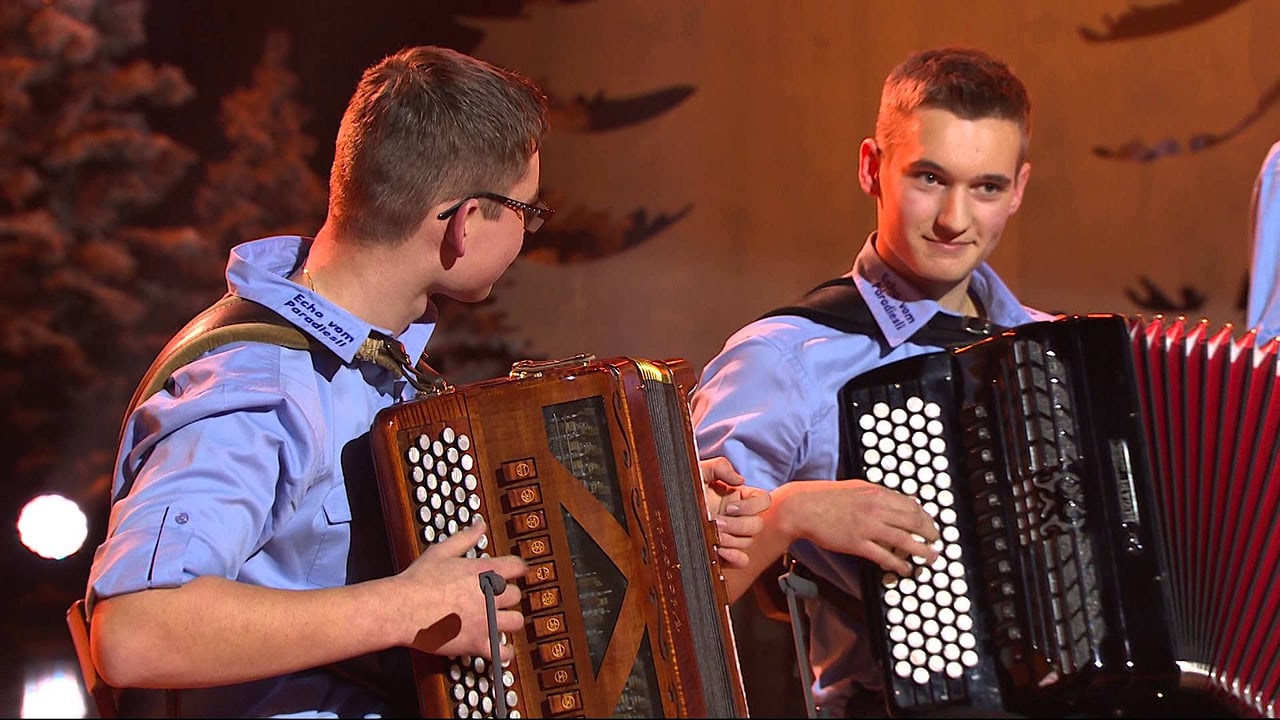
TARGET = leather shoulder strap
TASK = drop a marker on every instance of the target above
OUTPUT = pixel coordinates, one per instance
(837, 304)
(234, 319)
(229, 320)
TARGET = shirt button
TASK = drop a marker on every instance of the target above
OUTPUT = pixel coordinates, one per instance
(181, 518)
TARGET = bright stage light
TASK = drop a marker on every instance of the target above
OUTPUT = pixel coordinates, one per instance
(53, 693)
(52, 526)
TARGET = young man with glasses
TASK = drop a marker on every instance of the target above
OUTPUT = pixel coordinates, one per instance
(245, 553)
(947, 168)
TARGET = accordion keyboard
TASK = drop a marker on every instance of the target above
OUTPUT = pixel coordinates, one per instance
(1053, 516)
(441, 466)
(1013, 599)
(928, 615)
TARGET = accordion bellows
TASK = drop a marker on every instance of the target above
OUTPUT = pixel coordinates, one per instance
(586, 468)
(1107, 492)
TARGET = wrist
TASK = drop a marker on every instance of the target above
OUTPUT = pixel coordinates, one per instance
(390, 627)
(788, 511)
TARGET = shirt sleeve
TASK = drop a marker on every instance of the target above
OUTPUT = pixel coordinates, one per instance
(751, 407)
(1263, 310)
(214, 462)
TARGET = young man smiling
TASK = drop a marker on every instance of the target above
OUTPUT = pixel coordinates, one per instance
(947, 168)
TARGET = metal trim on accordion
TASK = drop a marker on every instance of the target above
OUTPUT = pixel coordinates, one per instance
(587, 469)
(1096, 481)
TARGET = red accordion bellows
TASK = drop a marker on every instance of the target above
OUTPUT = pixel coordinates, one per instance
(1212, 410)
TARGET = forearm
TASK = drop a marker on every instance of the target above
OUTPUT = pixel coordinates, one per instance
(214, 631)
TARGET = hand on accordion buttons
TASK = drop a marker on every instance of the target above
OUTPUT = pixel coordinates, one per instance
(439, 595)
(860, 518)
(734, 507)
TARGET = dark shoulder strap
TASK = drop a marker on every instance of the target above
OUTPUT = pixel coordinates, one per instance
(233, 319)
(837, 303)
(229, 320)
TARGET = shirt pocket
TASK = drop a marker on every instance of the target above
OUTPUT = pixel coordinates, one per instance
(333, 525)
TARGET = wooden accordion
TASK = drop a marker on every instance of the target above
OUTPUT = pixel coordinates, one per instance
(587, 469)
(1108, 493)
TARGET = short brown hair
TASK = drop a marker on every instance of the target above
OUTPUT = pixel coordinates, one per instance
(964, 81)
(426, 125)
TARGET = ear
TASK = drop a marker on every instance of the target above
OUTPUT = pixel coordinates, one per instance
(454, 242)
(869, 167)
(1019, 186)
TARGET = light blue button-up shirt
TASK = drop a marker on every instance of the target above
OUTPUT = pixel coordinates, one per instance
(768, 403)
(253, 464)
(1264, 275)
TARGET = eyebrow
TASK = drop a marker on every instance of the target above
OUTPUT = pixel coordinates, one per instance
(930, 166)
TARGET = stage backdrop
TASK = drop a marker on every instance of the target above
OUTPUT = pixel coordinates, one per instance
(704, 158)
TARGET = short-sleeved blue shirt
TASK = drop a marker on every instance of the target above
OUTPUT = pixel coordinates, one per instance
(252, 464)
(768, 403)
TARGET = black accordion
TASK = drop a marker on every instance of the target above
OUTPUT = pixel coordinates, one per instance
(1108, 496)
(587, 469)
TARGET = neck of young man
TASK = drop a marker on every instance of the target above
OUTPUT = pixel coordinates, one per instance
(372, 283)
(958, 299)
(952, 297)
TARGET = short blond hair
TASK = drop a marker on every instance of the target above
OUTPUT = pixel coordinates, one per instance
(964, 81)
(426, 125)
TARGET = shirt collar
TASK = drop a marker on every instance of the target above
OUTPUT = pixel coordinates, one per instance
(900, 309)
(259, 270)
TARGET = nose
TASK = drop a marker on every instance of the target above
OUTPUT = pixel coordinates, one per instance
(954, 214)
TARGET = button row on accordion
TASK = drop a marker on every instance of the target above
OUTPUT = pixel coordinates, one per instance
(444, 487)
(446, 490)
(929, 615)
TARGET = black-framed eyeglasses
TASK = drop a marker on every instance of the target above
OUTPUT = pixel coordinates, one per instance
(532, 215)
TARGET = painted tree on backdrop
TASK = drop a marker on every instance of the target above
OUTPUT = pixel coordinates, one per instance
(86, 287)
(92, 291)
(1140, 22)
(265, 186)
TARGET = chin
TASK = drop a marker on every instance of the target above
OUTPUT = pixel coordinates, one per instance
(478, 295)
(956, 267)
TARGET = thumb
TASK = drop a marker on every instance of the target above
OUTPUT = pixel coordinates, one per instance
(719, 469)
